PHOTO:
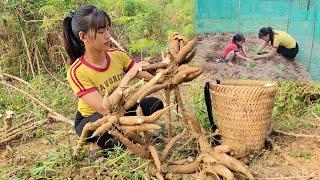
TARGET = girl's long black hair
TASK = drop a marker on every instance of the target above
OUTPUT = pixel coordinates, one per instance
(85, 18)
(265, 31)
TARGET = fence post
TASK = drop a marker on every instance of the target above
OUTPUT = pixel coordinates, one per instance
(313, 37)
(230, 14)
(289, 15)
(239, 1)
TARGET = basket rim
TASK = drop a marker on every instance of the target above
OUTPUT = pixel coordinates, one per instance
(245, 83)
(244, 86)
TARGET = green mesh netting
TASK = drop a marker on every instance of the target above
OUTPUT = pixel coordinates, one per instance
(300, 18)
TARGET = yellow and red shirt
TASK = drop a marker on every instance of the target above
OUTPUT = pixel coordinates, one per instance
(85, 78)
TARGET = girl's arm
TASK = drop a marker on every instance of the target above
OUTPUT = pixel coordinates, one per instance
(262, 46)
(141, 74)
(270, 54)
(244, 51)
(95, 100)
(242, 57)
(134, 72)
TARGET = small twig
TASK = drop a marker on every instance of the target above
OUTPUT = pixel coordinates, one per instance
(60, 118)
(180, 104)
(37, 57)
(20, 133)
(52, 113)
(36, 20)
(28, 51)
(316, 116)
(54, 77)
(62, 56)
(183, 145)
(17, 131)
(117, 44)
(296, 135)
(20, 69)
(171, 144)
(167, 113)
(134, 170)
(19, 79)
(40, 20)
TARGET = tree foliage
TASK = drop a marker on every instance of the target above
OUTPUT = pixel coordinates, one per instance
(30, 30)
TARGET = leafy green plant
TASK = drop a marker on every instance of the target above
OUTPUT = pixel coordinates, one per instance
(145, 45)
(201, 111)
(250, 66)
(252, 52)
(295, 101)
(303, 154)
(40, 131)
(281, 68)
(275, 151)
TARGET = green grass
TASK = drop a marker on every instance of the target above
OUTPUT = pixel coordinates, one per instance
(52, 93)
(254, 52)
(280, 68)
(250, 66)
(303, 154)
(294, 105)
(60, 164)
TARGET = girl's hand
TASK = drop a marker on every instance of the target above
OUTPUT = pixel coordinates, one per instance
(133, 72)
(256, 57)
(249, 59)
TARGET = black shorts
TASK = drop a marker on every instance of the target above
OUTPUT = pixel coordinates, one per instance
(148, 105)
(288, 53)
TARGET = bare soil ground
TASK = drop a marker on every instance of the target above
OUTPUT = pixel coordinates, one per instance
(210, 48)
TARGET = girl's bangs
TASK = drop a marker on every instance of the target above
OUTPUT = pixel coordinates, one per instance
(99, 19)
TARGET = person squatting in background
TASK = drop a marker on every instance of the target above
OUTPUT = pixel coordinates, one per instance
(281, 42)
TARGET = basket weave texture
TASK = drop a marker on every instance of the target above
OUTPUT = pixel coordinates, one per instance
(243, 112)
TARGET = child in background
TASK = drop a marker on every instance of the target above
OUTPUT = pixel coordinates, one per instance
(235, 50)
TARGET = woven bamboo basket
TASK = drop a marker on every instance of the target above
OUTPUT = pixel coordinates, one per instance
(243, 112)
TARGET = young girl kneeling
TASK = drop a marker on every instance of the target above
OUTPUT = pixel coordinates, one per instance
(235, 50)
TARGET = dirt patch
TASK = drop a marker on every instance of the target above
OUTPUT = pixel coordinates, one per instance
(294, 159)
(211, 46)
